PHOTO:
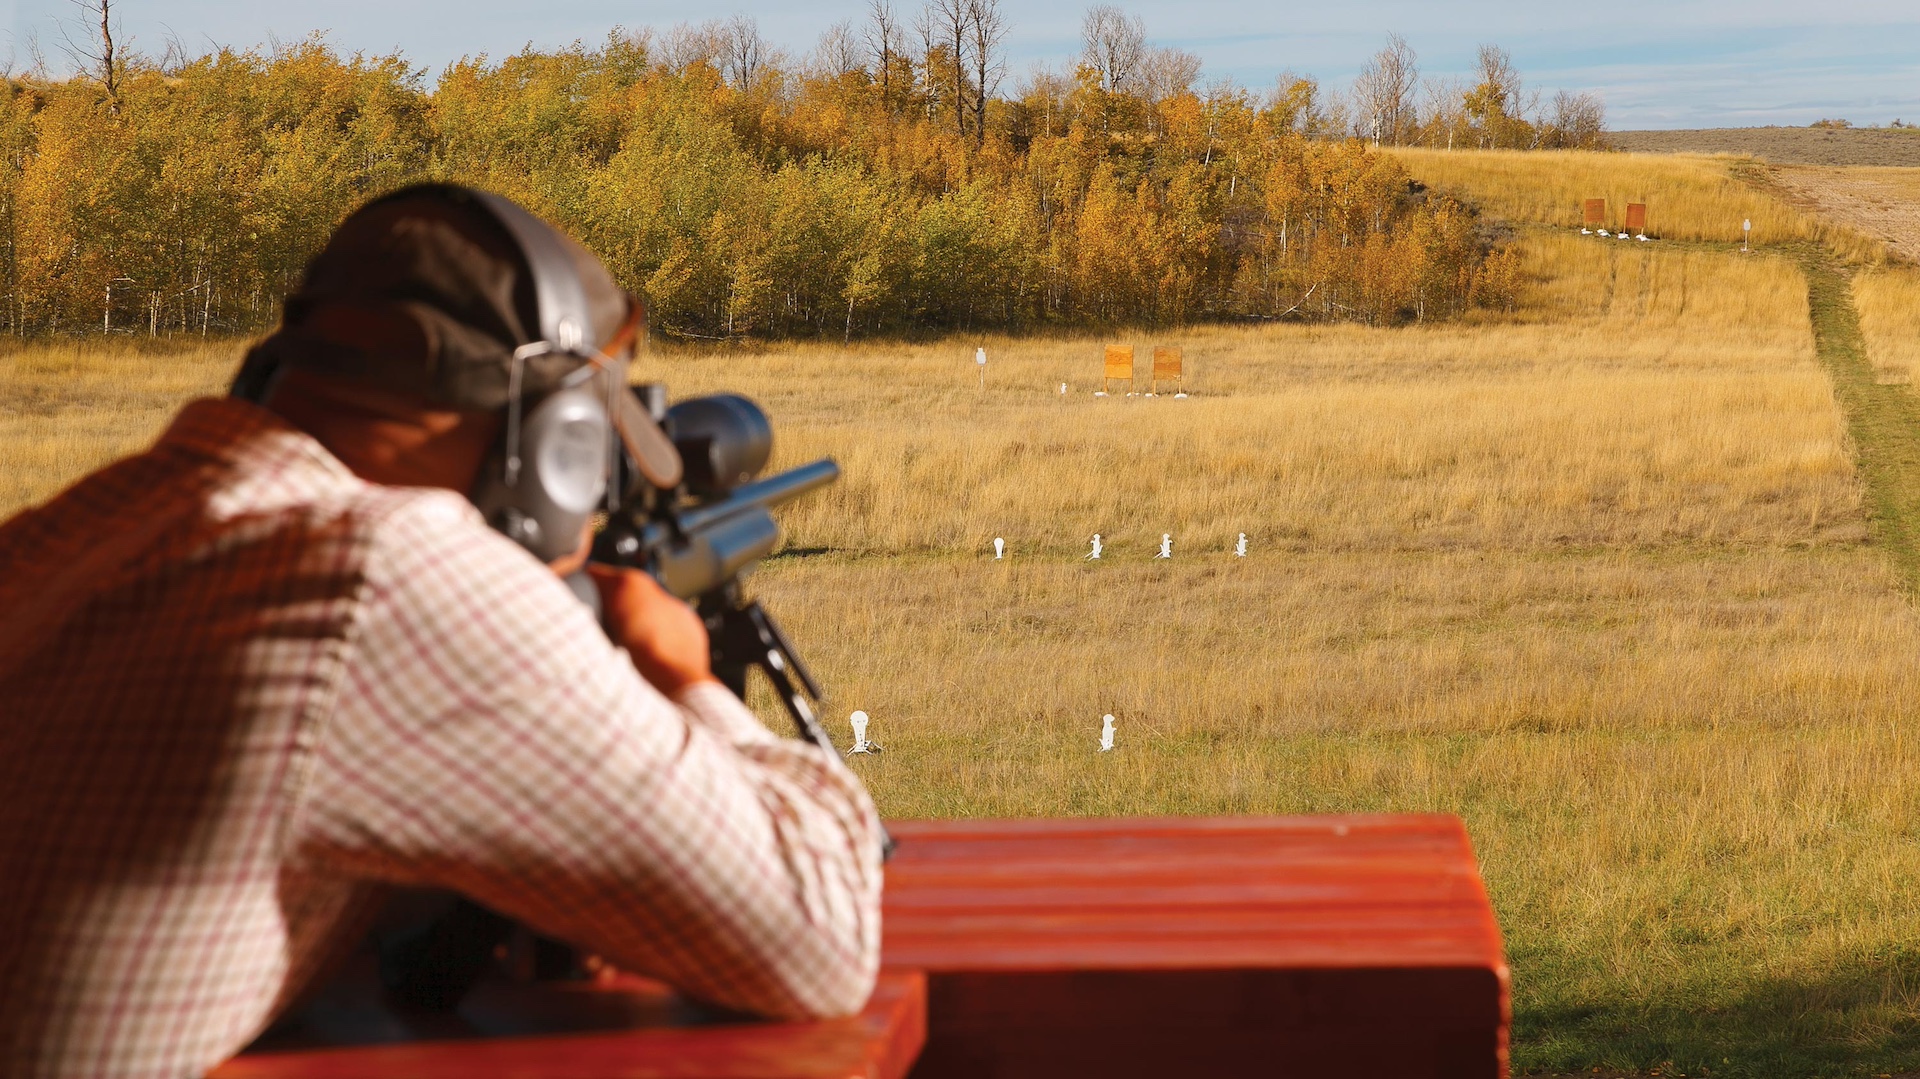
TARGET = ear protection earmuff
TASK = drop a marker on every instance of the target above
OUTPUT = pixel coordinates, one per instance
(550, 473)
(551, 470)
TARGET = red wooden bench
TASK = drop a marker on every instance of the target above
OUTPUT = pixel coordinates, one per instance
(1168, 947)
(1310, 946)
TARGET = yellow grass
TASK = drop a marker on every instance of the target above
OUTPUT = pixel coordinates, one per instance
(1888, 300)
(1593, 576)
(1689, 780)
(1680, 408)
(67, 409)
(1688, 196)
(1010, 658)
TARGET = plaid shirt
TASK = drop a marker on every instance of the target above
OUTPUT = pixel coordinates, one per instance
(244, 690)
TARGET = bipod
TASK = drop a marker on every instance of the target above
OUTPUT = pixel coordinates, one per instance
(744, 637)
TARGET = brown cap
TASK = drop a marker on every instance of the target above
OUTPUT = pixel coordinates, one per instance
(451, 298)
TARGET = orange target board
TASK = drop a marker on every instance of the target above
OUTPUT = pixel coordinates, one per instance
(1166, 362)
(1119, 366)
(1596, 212)
(1166, 366)
(1636, 217)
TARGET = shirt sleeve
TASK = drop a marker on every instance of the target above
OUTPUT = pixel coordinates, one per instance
(488, 738)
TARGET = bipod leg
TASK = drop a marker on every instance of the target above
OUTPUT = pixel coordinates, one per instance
(753, 638)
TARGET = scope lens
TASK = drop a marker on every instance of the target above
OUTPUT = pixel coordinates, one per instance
(724, 440)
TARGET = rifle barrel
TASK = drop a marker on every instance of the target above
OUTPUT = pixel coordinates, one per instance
(763, 494)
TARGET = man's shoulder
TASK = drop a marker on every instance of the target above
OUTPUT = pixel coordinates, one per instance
(433, 544)
(416, 511)
(449, 593)
(414, 528)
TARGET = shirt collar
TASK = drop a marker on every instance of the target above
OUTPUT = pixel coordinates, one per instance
(244, 435)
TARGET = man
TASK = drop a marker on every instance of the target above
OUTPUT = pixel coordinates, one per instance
(257, 675)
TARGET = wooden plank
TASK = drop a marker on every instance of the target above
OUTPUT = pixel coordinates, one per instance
(1636, 217)
(1594, 212)
(656, 1042)
(1199, 947)
(1120, 362)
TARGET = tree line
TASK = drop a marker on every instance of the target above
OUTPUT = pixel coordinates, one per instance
(886, 182)
(1492, 109)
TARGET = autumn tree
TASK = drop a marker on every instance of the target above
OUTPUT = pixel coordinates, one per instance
(1575, 121)
(942, 25)
(884, 40)
(742, 193)
(743, 52)
(1298, 106)
(838, 53)
(1498, 103)
(1444, 114)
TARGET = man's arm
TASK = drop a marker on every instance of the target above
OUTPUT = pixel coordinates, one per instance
(489, 739)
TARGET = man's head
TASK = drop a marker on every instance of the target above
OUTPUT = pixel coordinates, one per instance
(426, 292)
(398, 352)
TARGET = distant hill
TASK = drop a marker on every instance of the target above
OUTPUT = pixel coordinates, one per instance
(1784, 145)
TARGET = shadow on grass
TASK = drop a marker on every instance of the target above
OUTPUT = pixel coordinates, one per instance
(1863, 1019)
(798, 552)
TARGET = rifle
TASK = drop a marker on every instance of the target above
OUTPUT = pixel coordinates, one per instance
(700, 539)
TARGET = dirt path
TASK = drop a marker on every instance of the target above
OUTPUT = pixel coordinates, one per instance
(1783, 145)
(1882, 202)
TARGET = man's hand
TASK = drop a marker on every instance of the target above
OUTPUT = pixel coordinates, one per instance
(568, 564)
(666, 639)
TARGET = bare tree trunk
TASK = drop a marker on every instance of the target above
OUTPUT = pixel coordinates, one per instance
(949, 20)
(108, 74)
(988, 27)
(1112, 43)
(1385, 89)
(95, 52)
(923, 25)
(743, 51)
(882, 37)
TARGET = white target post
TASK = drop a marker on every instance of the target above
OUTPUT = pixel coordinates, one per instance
(980, 361)
(1746, 233)
(860, 744)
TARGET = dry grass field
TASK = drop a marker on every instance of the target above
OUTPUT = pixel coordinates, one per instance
(1595, 576)
(1889, 304)
(1693, 197)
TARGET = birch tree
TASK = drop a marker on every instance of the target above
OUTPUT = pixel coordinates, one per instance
(1384, 91)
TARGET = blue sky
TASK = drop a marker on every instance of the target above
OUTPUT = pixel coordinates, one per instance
(1678, 63)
